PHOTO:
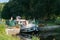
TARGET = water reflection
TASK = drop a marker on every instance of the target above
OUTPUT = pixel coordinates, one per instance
(42, 35)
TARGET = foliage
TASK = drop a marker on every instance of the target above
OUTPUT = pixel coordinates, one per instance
(3, 35)
(35, 38)
(57, 20)
(31, 8)
(1, 7)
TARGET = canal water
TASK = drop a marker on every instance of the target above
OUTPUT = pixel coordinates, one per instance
(51, 34)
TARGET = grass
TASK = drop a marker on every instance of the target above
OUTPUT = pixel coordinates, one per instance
(35, 38)
(4, 36)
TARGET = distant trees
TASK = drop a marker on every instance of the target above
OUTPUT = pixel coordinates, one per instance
(31, 8)
(1, 7)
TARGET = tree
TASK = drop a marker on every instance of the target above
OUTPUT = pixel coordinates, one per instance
(31, 8)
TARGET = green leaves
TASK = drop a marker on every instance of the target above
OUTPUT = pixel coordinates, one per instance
(3, 35)
(31, 8)
(35, 38)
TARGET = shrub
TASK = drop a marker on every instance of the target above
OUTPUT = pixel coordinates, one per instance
(57, 20)
(35, 38)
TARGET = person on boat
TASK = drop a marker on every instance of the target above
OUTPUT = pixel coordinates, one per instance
(10, 23)
(11, 27)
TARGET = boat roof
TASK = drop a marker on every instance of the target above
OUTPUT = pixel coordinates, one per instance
(21, 20)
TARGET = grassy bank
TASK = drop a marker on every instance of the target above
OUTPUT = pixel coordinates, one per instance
(3, 35)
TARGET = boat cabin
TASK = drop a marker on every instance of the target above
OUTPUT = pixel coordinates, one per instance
(22, 22)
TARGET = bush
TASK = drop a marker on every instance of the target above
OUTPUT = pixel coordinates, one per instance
(57, 20)
(3, 35)
(35, 38)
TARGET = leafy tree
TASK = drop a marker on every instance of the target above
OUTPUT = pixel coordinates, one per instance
(31, 8)
(1, 7)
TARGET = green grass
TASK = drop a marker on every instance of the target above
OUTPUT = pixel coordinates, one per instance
(4, 36)
(35, 38)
